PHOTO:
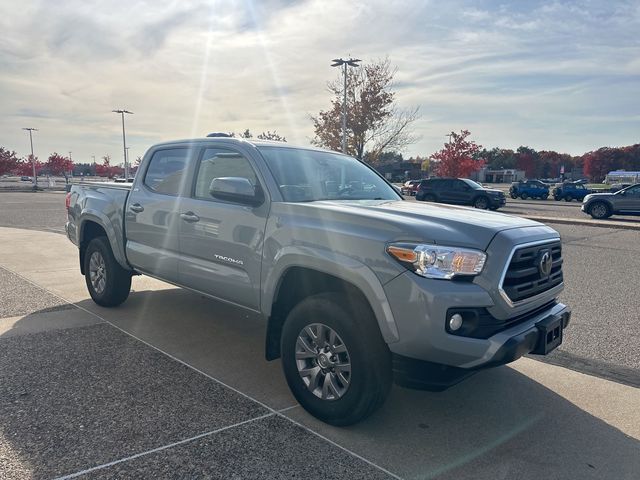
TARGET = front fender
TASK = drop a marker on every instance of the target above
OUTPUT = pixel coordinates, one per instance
(341, 266)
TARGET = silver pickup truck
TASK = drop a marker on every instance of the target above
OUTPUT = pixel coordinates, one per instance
(358, 286)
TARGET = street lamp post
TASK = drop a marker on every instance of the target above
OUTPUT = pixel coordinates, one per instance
(66, 179)
(339, 62)
(124, 143)
(33, 158)
(128, 163)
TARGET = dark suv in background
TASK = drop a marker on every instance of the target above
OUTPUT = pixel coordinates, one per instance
(460, 191)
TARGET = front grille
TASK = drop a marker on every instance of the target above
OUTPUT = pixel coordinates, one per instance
(524, 277)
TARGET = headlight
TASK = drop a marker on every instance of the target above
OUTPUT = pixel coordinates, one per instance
(438, 261)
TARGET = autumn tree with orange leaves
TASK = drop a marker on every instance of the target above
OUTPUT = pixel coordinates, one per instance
(458, 158)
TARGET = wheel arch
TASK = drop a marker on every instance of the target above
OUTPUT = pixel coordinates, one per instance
(606, 202)
(93, 226)
(298, 280)
(480, 195)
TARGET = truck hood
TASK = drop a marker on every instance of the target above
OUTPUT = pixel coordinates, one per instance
(415, 221)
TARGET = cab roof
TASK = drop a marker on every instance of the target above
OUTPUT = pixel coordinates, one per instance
(244, 141)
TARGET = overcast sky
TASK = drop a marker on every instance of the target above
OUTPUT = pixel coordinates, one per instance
(551, 75)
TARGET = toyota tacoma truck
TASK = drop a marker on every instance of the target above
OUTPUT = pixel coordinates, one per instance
(358, 287)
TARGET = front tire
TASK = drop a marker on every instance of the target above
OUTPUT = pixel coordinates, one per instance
(568, 198)
(481, 202)
(334, 358)
(108, 283)
(429, 198)
(524, 196)
(599, 210)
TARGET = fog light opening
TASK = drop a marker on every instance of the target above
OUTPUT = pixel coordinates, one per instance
(455, 322)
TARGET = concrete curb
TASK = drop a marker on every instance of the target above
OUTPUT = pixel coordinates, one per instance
(585, 222)
(30, 189)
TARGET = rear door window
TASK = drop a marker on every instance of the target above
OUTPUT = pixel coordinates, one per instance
(444, 185)
(167, 171)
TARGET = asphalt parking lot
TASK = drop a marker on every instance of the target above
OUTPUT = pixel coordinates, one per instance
(145, 391)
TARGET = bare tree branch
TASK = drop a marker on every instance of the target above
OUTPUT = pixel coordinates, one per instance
(374, 122)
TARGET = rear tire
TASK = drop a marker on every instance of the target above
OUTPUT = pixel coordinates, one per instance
(524, 196)
(316, 370)
(108, 283)
(568, 198)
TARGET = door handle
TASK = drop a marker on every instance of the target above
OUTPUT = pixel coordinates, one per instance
(136, 207)
(189, 217)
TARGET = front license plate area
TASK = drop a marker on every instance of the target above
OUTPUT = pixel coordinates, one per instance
(549, 335)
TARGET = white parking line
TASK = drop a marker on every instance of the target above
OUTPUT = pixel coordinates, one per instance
(159, 449)
(286, 409)
(272, 411)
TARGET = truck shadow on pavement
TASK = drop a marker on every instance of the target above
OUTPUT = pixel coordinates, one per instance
(76, 397)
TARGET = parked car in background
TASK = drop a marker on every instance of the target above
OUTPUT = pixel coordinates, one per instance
(622, 202)
(25, 179)
(460, 191)
(410, 187)
(570, 191)
(529, 189)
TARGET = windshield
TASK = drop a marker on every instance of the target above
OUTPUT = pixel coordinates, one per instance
(310, 175)
(472, 184)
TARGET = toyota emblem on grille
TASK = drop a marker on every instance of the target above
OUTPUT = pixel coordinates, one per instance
(545, 264)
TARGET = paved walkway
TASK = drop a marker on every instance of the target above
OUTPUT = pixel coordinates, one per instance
(174, 385)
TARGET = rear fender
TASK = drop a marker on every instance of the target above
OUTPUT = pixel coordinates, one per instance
(115, 237)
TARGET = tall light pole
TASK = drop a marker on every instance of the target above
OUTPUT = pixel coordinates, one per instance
(124, 142)
(127, 149)
(33, 158)
(349, 62)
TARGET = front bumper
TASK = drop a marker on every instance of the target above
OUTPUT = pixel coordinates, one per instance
(539, 339)
(497, 202)
(427, 356)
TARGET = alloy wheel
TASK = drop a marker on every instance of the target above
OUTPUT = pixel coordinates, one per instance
(97, 272)
(599, 210)
(323, 361)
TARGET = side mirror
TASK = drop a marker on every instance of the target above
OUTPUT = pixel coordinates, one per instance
(236, 189)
